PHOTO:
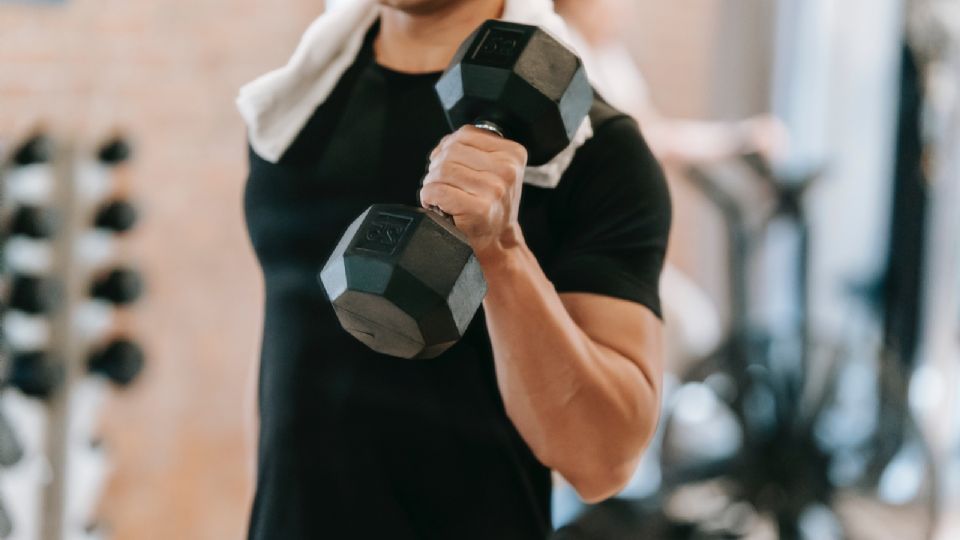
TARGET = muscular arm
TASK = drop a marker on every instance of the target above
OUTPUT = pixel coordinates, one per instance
(579, 373)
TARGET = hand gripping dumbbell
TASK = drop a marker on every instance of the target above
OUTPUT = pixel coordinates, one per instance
(404, 280)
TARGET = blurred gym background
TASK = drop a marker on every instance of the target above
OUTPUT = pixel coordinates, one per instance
(812, 299)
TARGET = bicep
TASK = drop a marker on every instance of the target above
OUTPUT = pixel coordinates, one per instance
(628, 329)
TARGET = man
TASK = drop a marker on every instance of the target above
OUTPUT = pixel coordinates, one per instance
(561, 370)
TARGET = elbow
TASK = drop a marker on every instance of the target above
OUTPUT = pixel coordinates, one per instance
(612, 467)
(599, 485)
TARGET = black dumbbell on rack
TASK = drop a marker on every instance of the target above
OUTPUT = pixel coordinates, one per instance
(33, 222)
(120, 361)
(37, 149)
(117, 216)
(36, 374)
(120, 286)
(34, 295)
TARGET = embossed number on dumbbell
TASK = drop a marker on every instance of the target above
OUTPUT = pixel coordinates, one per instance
(499, 47)
(384, 233)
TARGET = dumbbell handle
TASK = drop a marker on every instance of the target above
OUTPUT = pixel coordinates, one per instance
(485, 125)
(489, 126)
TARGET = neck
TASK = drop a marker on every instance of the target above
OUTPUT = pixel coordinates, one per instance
(426, 40)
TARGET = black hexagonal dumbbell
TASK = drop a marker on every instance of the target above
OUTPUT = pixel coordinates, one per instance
(116, 216)
(34, 295)
(120, 286)
(36, 373)
(37, 149)
(114, 152)
(404, 280)
(121, 361)
(33, 222)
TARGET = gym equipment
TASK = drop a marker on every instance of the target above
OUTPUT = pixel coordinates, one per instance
(117, 216)
(33, 222)
(817, 423)
(37, 374)
(121, 286)
(404, 280)
(34, 295)
(121, 361)
(115, 151)
(51, 356)
(37, 149)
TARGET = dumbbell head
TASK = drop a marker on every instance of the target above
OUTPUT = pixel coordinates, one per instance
(36, 374)
(404, 281)
(120, 361)
(114, 152)
(121, 286)
(33, 222)
(34, 295)
(37, 149)
(117, 216)
(521, 79)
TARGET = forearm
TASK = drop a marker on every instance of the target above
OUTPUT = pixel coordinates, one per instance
(585, 409)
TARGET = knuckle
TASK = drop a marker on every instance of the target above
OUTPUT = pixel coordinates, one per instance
(520, 152)
(498, 191)
(507, 171)
(448, 169)
(430, 177)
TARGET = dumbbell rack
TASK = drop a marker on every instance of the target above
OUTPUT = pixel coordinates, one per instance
(64, 341)
(73, 469)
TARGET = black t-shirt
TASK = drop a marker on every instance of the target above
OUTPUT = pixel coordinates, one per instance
(354, 444)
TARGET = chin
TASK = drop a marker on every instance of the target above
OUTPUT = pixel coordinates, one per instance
(418, 7)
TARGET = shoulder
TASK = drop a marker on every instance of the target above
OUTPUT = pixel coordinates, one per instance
(616, 164)
(616, 136)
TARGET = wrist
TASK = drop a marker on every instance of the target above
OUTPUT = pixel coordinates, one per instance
(503, 253)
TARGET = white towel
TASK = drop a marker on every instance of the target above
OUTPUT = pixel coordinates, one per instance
(277, 105)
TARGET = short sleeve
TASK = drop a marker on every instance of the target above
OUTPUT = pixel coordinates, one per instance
(615, 224)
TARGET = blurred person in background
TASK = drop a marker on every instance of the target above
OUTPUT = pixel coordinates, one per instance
(597, 28)
(561, 372)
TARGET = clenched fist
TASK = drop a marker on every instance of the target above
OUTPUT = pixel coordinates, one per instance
(476, 177)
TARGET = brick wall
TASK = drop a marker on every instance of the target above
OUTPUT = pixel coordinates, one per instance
(166, 72)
